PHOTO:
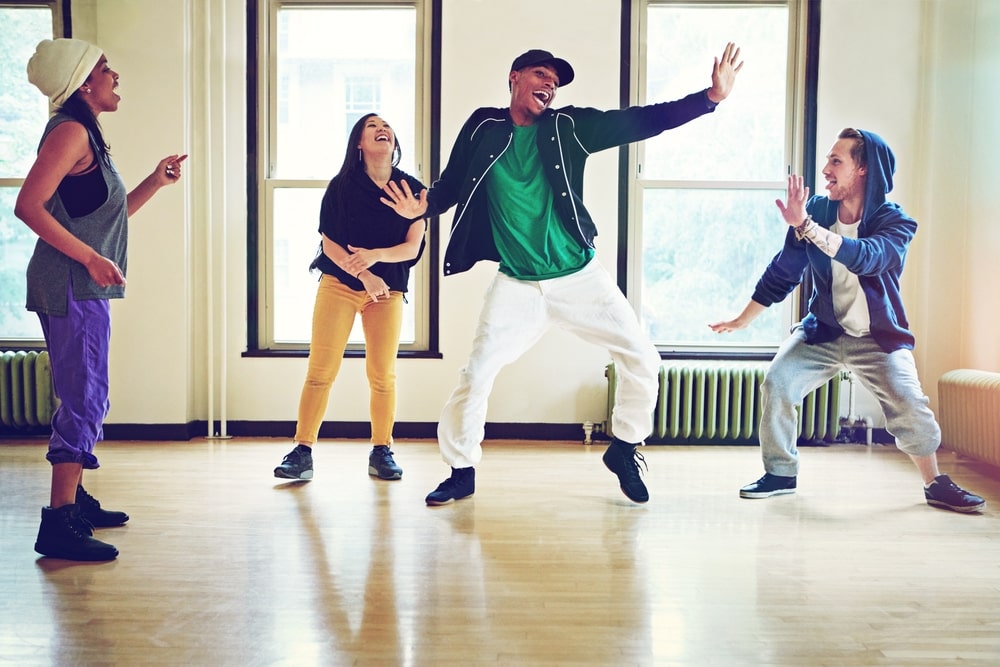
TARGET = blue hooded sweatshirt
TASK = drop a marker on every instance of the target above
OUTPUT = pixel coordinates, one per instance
(876, 257)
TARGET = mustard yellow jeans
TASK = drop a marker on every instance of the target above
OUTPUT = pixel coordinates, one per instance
(333, 316)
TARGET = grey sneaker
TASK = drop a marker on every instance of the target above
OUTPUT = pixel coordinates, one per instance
(945, 494)
(382, 465)
(297, 464)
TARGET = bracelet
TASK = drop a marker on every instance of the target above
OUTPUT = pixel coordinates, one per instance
(803, 231)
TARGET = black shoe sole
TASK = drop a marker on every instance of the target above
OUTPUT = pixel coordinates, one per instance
(439, 503)
(82, 557)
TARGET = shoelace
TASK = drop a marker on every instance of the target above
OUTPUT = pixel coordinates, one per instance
(86, 498)
(636, 460)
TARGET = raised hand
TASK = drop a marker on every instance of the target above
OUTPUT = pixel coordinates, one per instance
(793, 210)
(724, 73)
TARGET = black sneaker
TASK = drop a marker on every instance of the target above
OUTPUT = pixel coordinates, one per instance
(90, 509)
(64, 533)
(297, 464)
(622, 459)
(945, 494)
(461, 484)
(382, 465)
(767, 486)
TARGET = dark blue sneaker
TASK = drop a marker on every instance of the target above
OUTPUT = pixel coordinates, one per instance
(945, 494)
(622, 459)
(767, 486)
(382, 465)
(461, 484)
(297, 464)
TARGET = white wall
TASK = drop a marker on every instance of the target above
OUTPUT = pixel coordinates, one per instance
(903, 68)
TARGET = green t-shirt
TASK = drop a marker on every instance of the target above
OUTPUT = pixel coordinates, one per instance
(531, 240)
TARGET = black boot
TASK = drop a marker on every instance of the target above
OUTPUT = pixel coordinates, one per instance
(64, 533)
(461, 484)
(90, 509)
(622, 459)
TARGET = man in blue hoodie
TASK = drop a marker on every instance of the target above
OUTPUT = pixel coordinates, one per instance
(853, 243)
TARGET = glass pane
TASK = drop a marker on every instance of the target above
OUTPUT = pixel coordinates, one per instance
(330, 72)
(16, 245)
(703, 251)
(23, 109)
(296, 242)
(681, 43)
(23, 113)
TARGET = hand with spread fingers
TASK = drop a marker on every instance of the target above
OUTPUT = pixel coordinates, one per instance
(724, 73)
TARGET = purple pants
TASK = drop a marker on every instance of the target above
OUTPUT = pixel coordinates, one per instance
(78, 347)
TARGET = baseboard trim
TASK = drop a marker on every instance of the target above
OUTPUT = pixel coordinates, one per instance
(362, 431)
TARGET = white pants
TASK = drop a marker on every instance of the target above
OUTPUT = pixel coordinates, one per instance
(515, 315)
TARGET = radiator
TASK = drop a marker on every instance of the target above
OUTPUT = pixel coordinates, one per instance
(721, 404)
(26, 394)
(969, 413)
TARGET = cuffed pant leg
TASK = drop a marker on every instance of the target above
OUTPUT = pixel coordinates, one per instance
(78, 345)
(892, 379)
(512, 319)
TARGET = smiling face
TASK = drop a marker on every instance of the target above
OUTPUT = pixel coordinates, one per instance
(845, 179)
(377, 138)
(101, 84)
(532, 90)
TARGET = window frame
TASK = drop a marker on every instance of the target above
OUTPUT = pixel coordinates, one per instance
(800, 150)
(261, 133)
(61, 27)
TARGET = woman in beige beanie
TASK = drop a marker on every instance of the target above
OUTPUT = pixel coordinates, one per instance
(75, 200)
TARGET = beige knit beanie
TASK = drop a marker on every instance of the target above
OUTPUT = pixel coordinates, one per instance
(60, 66)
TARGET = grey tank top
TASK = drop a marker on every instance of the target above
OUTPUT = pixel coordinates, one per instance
(105, 230)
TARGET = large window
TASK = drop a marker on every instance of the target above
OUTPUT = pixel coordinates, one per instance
(23, 113)
(703, 220)
(322, 65)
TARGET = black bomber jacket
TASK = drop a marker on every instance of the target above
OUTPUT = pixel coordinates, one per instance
(566, 138)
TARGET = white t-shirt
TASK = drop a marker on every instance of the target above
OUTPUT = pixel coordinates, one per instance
(849, 302)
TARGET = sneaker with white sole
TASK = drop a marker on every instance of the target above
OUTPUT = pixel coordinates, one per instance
(297, 464)
(382, 465)
(945, 494)
(767, 486)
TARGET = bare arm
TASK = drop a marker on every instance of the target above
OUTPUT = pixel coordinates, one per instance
(66, 150)
(167, 172)
(741, 321)
(363, 258)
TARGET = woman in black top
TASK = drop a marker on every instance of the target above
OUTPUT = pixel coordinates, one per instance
(366, 254)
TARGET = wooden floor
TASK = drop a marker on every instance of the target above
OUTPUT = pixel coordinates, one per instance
(548, 564)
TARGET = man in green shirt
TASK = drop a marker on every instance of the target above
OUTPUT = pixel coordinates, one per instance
(515, 176)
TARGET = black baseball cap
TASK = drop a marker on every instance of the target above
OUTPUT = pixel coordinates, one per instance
(541, 57)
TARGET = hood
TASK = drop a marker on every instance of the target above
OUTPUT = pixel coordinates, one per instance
(881, 167)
